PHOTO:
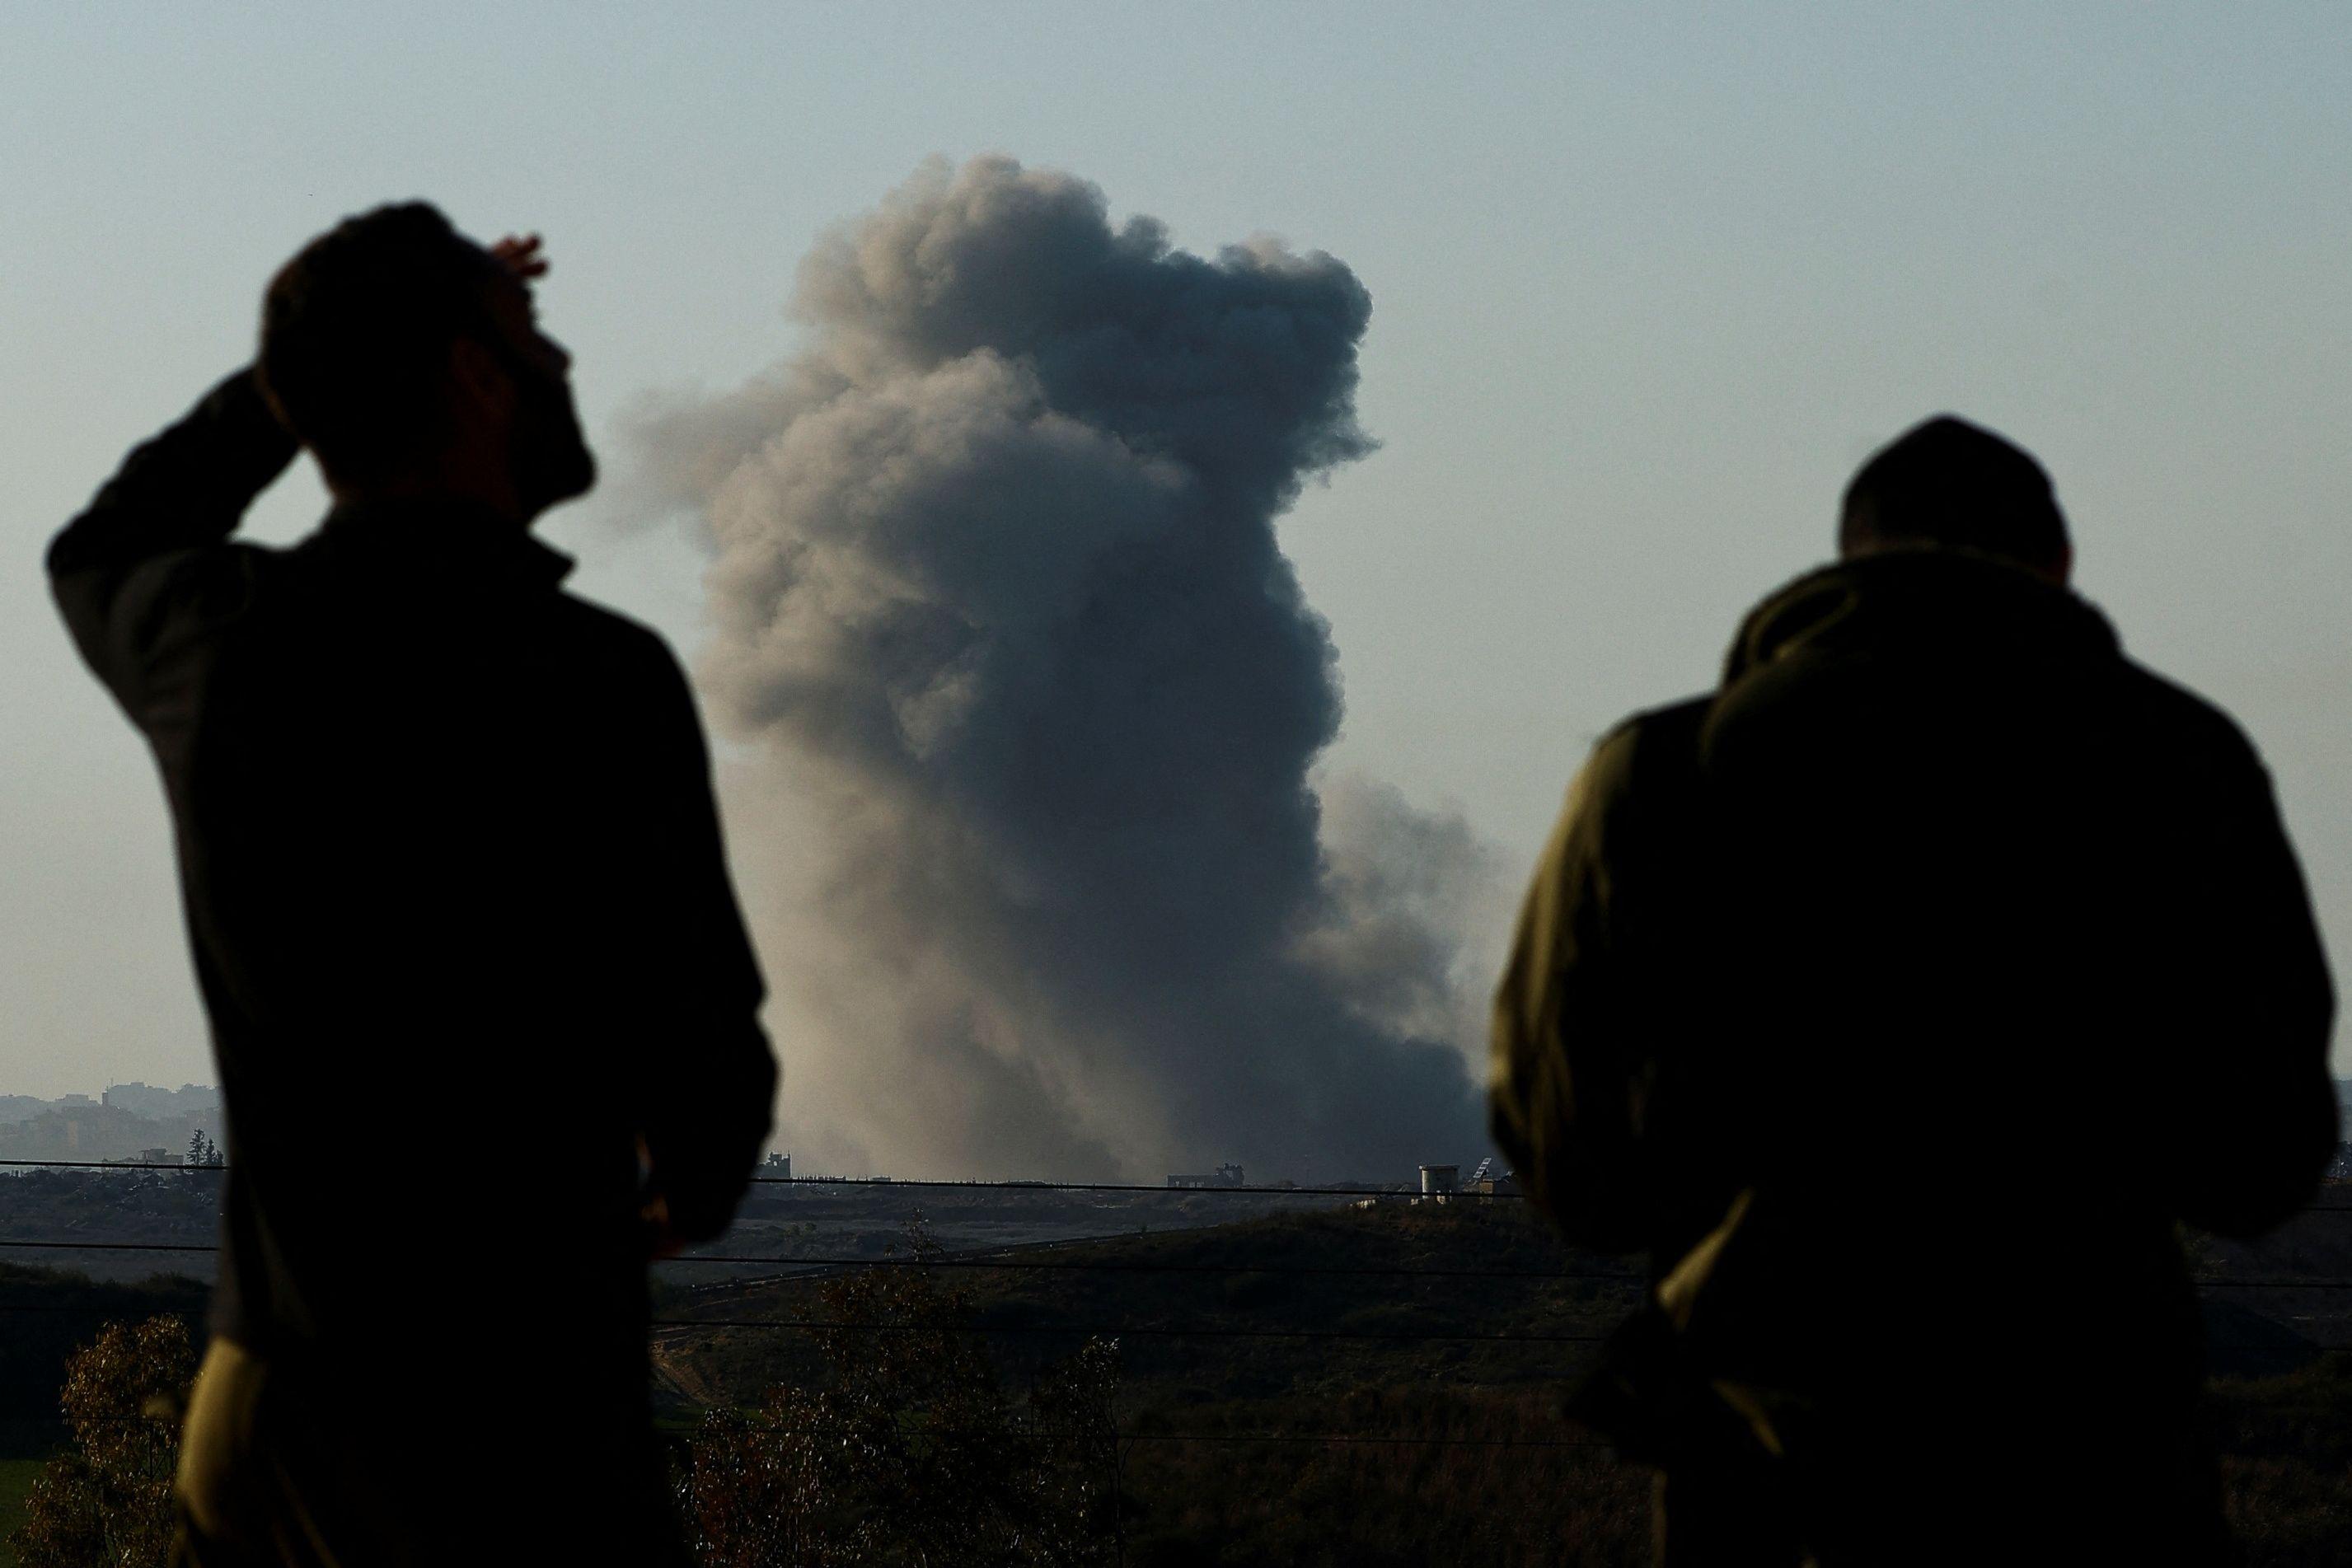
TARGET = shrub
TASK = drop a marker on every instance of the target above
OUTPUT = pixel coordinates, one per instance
(108, 1503)
(913, 1454)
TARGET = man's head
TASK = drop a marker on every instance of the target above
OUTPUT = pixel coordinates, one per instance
(1951, 484)
(406, 358)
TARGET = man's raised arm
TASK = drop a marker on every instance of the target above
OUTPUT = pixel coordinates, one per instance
(136, 569)
(709, 1078)
(1562, 1098)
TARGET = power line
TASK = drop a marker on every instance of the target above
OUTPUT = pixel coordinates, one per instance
(1067, 1435)
(1237, 1190)
(115, 1314)
(1093, 1331)
(1341, 1439)
(1098, 1331)
(1114, 1266)
(871, 1184)
(116, 1245)
(1056, 1265)
(1084, 1266)
(1353, 1437)
(1367, 1438)
(111, 1166)
(866, 1183)
(1139, 1267)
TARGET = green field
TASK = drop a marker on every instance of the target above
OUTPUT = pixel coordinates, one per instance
(15, 1480)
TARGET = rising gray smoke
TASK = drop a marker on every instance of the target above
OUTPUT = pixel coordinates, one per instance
(1000, 610)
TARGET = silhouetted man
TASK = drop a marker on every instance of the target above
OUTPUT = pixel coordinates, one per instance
(1898, 999)
(480, 998)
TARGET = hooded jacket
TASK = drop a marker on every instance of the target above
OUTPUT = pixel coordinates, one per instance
(1899, 999)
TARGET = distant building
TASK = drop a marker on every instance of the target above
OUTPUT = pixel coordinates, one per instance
(77, 1127)
(1435, 1179)
(779, 1166)
(189, 1099)
(1226, 1175)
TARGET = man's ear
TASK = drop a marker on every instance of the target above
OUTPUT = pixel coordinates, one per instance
(479, 378)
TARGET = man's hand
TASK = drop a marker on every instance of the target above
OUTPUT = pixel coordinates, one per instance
(660, 1240)
(522, 255)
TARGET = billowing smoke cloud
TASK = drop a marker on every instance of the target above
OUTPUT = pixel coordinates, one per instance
(1000, 613)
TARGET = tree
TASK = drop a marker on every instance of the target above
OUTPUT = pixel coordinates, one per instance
(913, 1455)
(108, 1503)
(202, 1150)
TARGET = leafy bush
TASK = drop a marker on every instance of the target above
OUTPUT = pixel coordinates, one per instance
(913, 1454)
(108, 1503)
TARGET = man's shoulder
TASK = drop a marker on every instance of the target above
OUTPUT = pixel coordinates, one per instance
(1638, 743)
(2180, 719)
(612, 634)
(624, 660)
(1646, 757)
(1668, 720)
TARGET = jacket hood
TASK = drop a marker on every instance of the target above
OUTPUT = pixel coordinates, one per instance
(1936, 603)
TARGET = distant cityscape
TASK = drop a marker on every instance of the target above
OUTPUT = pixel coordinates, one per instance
(132, 1122)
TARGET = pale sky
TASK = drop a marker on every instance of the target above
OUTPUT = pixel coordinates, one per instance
(1647, 282)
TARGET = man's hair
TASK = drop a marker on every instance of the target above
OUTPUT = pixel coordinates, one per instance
(355, 335)
(1954, 485)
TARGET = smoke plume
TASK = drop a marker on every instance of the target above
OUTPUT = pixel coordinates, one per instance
(1002, 624)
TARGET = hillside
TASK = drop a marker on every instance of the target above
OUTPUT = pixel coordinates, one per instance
(1443, 1338)
(49, 1313)
(1323, 1301)
(777, 1223)
(1251, 1331)
(110, 1212)
(1440, 1338)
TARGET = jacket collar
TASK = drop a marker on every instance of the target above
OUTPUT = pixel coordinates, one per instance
(440, 535)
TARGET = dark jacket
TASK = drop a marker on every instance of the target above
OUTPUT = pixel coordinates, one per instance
(1898, 999)
(461, 919)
